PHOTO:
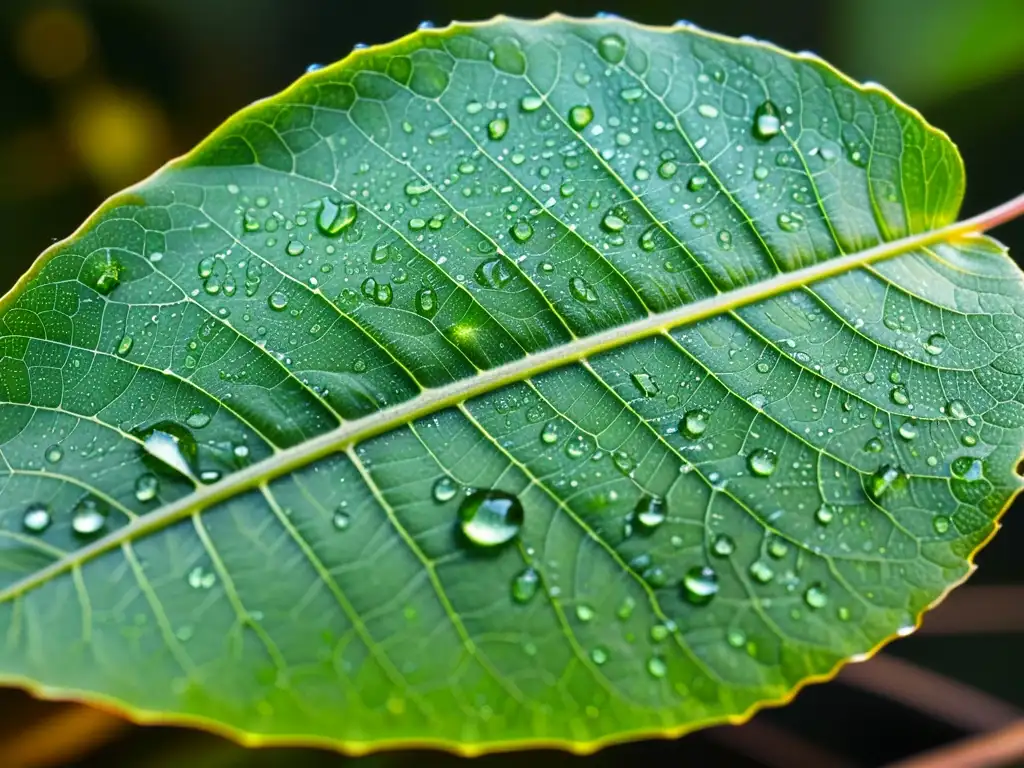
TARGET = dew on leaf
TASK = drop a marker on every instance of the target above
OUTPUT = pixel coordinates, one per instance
(766, 121)
(885, 478)
(697, 183)
(444, 489)
(426, 302)
(521, 231)
(278, 301)
(956, 409)
(790, 222)
(940, 524)
(815, 596)
(549, 434)
(645, 383)
(908, 430)
(584, 612)
(497, 128)
(650, 512)
(656, 667)
(531, 103)
(582, 291)
(36, 518)
(761, 572)
(493, 273)
(667, 169)
(700, 584)
(580, 117)
(54, 454)
(599, 655)
(490, 518)
(736, 638)
(172, 445)
(612, 48)
(89, 517)
(125, 345)
(146, 487)
(723, 545)
(334, 217)
(824, 515)
(936, 344)
(762, 462)
(899, 395)
(525, 585)
(613, 222)
(707, 110)
(873, 445)
(699, 220)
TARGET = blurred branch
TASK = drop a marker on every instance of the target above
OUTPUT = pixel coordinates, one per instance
(775, 747)
(977, 610)
(71, 731)
(987, 751)
(933, 694)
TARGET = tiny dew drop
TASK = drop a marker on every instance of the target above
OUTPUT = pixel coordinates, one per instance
(766, 121)
(723, 545)
(125, 345)
(599, 656)
(89, 517)
(584, 612)
(697, 183)
(613, 222)
(874, 445)
(700, 584)
(490, 518)
(580, 117)
(940, 523)
(656, 667)
(426, 302)
(667, 169)
(549, 435)
(521, 231)
(650, 512)
(334, 217)
(531, 103)
(936, 344)
(36, 518)
(885, 478)
(582, 291)
(699, 220)
(815, 596)
(626, 608)
(146, 487)
(54, 454)
(341, 519)
(762, 461)
(644, 382)
(612, 48)
(736, 638)
(761, 572)
(497, 128)
(525, 585)
(824, 515)
(444, 489)
(277, 301)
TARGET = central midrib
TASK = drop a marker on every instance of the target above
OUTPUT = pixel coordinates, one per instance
(433, 400)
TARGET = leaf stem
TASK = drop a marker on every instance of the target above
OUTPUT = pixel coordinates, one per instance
(431, 401)
(986, 751)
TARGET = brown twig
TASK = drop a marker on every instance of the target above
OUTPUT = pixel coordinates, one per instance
(978, 610)
(71, 731)
(929, 692)
(998, 748)
(775, 747)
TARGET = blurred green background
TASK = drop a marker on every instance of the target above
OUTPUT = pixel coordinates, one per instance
(96, 94)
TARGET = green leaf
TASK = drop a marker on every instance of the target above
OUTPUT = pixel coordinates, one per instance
(513, 383)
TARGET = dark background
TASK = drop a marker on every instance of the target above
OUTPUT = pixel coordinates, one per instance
(96, 94)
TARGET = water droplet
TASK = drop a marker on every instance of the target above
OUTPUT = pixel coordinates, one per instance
(146, 487)
(334, 217)
(644, 382)
(824, 515)
(445, 489)
(777, 548)
(379, 293)
(935, 344)
(490, 518)
(667, 169)
(725, 240)
(908, 430)
(497, 128)
(762, 461)
(700, 584)
(581, 290)
(874, 445)
(631, 95)
(549, 435)
(295, 248)
(956, 409)
(89, 517)
(736, 638)
(699, 220)
(899, 395)
(277, 301)
(707, 110)
(426, 302)
(200, 578)
(125, 345)
(761, 572)
(341, 519)
(656, 667)
(815, 595)
(612, 48)
(198, 420)
(626, 608)
(580, 117)
(885, 478)
(766, 121)
(103, 273)
(623, 462)
(54, 454)
(531, 103)
(172, 445)
(599, 656)
(584, 612)
(723, 545)
(613, 222)
(650, 512)
(521, 231)
(967, 468)
(525, 585)
(940, 523)
(790, 222)
(36, 518)
(493, 273)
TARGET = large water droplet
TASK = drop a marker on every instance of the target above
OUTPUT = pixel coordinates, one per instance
(379, 293)
(940, 524)
(884, 479)
(493, 273)
(967, 468)
(908, 430)
(584, 612)
(335, 216)
(172, 445)
(762, 461)
(874, 445)
(700, 584)
(445, 489)
(54, 454)
(426, 302)
(612, 48)
(599, 656)
(581, 290)
(89, 517)
(761, 572)
(490, 518)
(936, 344)
(278, 301)
(694, 423)
(899, 395)
(956, 409)
(497, 128)
(723, 545)
(580, 117)
(531, 103)
(103, 273)
(650, 512)
(815, 595)
(613, 221)
(656, 667)
(525, 585)
(521, 231)
(549, 435)
(766, 121)
(36, 518)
